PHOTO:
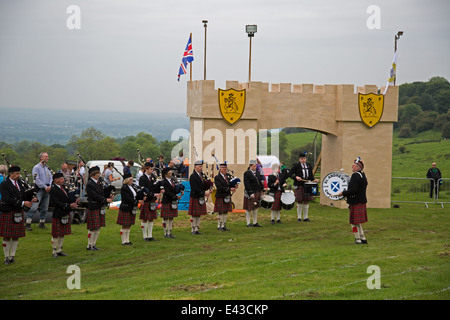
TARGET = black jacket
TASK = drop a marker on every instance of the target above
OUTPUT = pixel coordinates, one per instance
(435, 175)
(128, 201)
(151, 185)
(297, 171)
(95, 195)
(60, 201)
(271, 182)
(197, 186)
(11, 197)
(252, 182)
(169, 192)
(357, 186)
(223, 186)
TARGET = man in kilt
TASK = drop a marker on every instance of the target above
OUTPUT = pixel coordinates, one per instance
(148, 209)
(252, 193)
(96, 210)
(276, 183)
(62, 204)
(128, 208)
(223, 203)
(169, 206)
(13, 200)
(301, 172)
(198, 195)
(356, 199)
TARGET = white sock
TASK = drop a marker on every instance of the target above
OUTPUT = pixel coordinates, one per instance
(6, 247)
(14, 243)
(54, 245)
(224, 219)
(150, 229)
(255, 216)
(144, 228)
(28, 221)
(356, 233)
(122, 236)
(360, 231)
(299, 210)
(247, 216)
(272, 214)
(60, 243)
(96, 233)
(305, 211)
(278, 214)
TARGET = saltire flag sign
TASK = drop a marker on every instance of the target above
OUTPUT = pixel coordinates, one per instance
(392, 74)
(188, 57)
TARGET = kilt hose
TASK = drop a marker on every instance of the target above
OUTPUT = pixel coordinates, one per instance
(222, 207)
(195, 208)
(167, 212)
(358, 213)
(9, 228)
(301, 196)
(94, 219)
(59, 229)
(146, 213)
(276, 205)
(125, 219)
(249, 204)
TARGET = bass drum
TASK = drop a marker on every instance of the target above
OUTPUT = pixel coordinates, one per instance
(287, 200)
(334, 183)
(267, 201)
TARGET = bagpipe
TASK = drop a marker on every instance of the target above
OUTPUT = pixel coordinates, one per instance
(179, 187)
(207, 182)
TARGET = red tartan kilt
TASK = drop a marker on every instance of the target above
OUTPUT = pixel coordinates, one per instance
(222, 207)
(249, 204)
(358, 213)
(167, 212)
(94, 220)
(300, 195)
(196, 209)
(125, 219)
(9, 228)
(146, 213)
(59, 229)
(277, 201)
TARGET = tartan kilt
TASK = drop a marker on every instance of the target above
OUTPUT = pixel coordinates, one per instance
(125, 219)
(167, 212)
(277, 201)
(94, 220)
(358, 213)
(59, 229)
(9, 228)
(300, 195)
(146, 213)
(222, 207)
(249, 204)
(196, 209)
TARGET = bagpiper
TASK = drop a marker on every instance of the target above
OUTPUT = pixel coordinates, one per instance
(223, 203)
(198, 195)
(148, 209)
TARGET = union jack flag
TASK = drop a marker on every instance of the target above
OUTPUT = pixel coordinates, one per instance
(188, 57)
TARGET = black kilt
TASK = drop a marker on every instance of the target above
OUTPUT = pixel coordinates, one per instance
(249, 204)
(126, 219)
(195, 208)
(167, 212)
(277, 201)
(146, 213)
(222, 207)
(94, 220)
(358, 213)
(301, 196)
(59, 229)
(9, 228)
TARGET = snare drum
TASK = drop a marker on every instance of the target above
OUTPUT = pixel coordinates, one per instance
(287, 200)
(311, 187)
(267, 201)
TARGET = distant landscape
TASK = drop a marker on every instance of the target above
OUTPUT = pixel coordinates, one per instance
(58, 126)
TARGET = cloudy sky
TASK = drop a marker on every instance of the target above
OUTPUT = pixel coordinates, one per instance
(126, 54)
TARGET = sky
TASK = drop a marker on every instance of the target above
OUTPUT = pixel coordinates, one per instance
(126, 54)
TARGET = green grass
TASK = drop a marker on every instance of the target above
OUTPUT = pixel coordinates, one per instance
(315, 260)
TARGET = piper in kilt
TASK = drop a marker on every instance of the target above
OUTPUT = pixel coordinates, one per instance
(148, 180)
(223, 203)
(198, 195)
(276, 183)
(61, 213)
(252, 193)
(13, 200)
(301, 172)
(356, 199)
(169, 206)
(128, 208)
(96, 210)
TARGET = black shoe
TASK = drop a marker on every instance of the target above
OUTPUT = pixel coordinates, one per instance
(249, 225)
(12, 260)
(151, 239)
(7, 262)
(225, 229)
(171, 236)
(198, 232)
(364, 241)
(42, 225)
(272, 221)
(307, 220)
(61, 254)
(28, 227)
(94, 248)
(257, 225)
(55, 255)
(358, 242)
(89, 247)
(279, 221)
(299, 220)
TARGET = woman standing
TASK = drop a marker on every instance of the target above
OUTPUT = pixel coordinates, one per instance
(169, 206)
(128, 208)
(276, 184)
(148, 209)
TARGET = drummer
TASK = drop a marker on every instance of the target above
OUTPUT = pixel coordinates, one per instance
(301, 173)
(276, 183)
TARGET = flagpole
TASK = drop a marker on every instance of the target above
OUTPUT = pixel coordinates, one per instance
(190, 72)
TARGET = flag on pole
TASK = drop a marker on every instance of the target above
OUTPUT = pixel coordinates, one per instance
(392, 74)
(188, 57)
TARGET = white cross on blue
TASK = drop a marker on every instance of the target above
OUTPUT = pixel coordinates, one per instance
(335, 186)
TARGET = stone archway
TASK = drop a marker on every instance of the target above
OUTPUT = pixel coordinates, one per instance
(329, 109)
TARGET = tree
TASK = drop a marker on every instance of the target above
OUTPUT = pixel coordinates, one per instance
(93, 145)
(446, 131)
(405, 131)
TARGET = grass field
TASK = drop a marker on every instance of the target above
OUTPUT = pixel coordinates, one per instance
(315, 260)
